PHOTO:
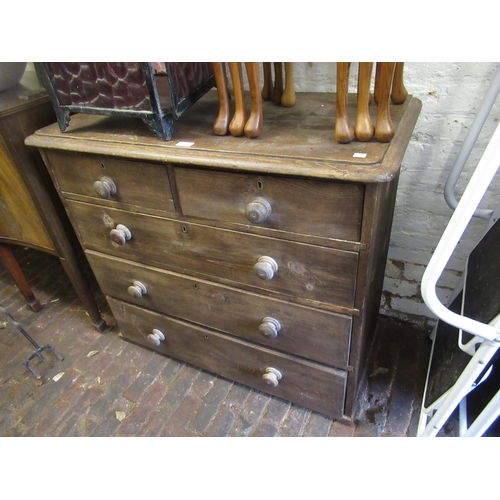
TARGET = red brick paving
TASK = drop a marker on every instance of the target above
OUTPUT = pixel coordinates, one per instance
(125, 390)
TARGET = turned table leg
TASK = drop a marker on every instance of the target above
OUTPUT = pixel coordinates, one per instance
(344, 132)
(221, 124)
(384, 128)
(7, 257)
(237, 124)
(253, 126)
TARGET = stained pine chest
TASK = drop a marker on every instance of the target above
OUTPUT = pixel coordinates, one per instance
(260, 260)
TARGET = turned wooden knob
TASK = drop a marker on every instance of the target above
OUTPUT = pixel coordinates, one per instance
(258, 210)
(269, 327)
(272, 376)
(156, 337)
(137, 290)
(120, 234)
(105, 187)
(266, 268)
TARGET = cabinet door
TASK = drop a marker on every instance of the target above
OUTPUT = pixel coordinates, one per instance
(19, 218)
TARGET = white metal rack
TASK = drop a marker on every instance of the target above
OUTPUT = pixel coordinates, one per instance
(486, 337)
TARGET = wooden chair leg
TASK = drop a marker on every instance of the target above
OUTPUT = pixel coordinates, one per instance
(240, 117)
(7, 257)
(278, 83)
(253, 127)
(399, 93)
(344, 132)
(384, 128)
(222, 121)
(288, 98)
(364, 128)
(268, 81)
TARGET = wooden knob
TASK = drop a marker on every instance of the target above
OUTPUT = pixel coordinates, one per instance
(156, 337)
(137, 290)
(266, 268)
(105, 187)
(269, 327)
(120, 234)
(272, 376)
(258, 210)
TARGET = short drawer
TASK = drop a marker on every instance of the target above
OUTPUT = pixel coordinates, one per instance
(318, 208)
(302, 382)
(309, 333)
(112, 179)
(309, 273)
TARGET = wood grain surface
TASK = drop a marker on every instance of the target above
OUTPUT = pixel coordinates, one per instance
(296, 141)
(227, 309)
(310, 274)
(305, 383)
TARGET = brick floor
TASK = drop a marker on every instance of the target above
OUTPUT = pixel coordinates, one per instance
(110, 387)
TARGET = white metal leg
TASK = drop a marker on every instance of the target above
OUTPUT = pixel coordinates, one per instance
(448, 402)
(485, 418)
(461, 387)
(462, 417)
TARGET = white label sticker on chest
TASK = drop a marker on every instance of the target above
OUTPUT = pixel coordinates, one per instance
(184, 144)
(359, 155)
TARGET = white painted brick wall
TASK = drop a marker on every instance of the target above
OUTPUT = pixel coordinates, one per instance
(451, 94)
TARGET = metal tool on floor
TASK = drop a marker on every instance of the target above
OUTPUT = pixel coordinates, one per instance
(38, 352)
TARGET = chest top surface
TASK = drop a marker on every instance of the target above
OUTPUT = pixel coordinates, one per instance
(295, 141)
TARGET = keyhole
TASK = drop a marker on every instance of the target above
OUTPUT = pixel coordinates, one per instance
(260, 185)
(102, 165)
(184, 229)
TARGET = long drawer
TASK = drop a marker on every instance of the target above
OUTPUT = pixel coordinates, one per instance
(309, 333)
(311, 273)
(324, 209)
(116, 180)
(302, 382)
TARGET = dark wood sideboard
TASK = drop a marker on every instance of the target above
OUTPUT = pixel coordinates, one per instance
(31, 212)
(261, 260)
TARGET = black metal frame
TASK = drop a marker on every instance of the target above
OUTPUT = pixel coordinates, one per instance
(159, 121)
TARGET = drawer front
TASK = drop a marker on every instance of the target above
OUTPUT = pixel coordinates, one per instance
(302, 382)
(314, 274)
(317, 208)
(139, 184)
(309, 333)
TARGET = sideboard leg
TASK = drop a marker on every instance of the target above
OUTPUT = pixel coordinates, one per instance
(7, 257)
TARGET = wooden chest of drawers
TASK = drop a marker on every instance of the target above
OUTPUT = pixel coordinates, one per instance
(261, 260)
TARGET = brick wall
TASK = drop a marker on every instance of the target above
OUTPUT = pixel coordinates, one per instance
(450, 93)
